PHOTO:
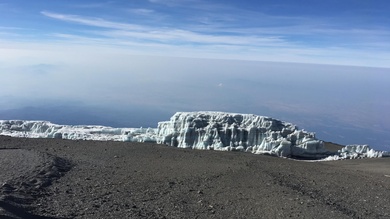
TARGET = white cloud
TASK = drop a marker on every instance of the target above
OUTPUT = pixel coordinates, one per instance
(248, 43)
(93, 5)
(141, 11)
(174, 2)
(96, 22)
(171, 35)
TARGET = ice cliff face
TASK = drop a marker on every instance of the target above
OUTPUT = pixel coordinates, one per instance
(202, 130)
(238, 132)
(356, 152)
(44, 129)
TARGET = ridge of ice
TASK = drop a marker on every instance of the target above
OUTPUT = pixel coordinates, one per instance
(45, 129)
(238, 132)
(203, 130)
(356, 152)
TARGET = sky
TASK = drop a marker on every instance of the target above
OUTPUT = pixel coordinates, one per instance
(348, 32)
(324, 65)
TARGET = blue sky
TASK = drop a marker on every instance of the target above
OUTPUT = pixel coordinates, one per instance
(348, 32)
(324, 65)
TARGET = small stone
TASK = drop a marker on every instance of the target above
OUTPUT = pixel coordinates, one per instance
(7, 187)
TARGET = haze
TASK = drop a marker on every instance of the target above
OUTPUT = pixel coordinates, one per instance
(323, 66)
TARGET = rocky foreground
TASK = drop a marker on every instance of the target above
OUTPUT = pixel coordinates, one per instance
(56, 178)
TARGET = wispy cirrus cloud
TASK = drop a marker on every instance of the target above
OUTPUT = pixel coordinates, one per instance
(96, 22)
(193, 4)
(296, 30)
(146, 15)
(174, 2)
(251, 36)
(141, 11)
(289, 38)
(164, 34)
(93, 5)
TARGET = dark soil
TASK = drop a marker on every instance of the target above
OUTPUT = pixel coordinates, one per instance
(51, 178)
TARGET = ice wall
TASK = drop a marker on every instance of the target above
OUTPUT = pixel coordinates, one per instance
(203, 130)
(44, 129)
(240, 132)
(356, 152)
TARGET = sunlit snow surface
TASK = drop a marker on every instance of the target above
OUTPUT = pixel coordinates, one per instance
(203, 130)
(44, 129)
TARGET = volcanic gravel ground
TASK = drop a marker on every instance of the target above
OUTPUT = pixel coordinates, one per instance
(50, 178)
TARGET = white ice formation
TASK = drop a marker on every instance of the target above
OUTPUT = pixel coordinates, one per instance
(203, 130)
(44, 129)
(357, 151)
(239, 132)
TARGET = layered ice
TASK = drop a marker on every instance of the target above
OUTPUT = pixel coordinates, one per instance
(44, 129)
(203, 130)
(239, 132)
(356, 152)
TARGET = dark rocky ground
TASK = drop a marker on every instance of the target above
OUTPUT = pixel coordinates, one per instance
(50, 178)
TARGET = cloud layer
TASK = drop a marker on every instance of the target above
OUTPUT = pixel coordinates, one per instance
(347, 34)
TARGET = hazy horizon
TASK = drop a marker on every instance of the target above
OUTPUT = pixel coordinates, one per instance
(343, 104)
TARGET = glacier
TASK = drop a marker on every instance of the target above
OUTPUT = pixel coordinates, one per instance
(45, 129)
(205, 130)
(238, 132)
